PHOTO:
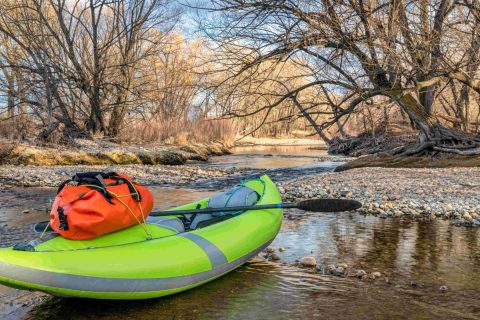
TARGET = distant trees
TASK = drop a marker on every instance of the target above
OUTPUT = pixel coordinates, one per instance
(76, 64)
(421, 55)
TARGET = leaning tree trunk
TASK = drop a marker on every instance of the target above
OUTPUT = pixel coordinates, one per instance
(312, 122)
(434, 137)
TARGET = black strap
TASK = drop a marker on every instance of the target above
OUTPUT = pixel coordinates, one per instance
(62, 217)
(189, 221)
(97, 179)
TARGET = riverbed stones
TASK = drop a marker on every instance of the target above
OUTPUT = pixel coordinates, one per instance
(147, 175)
(420, 193)
(308, 262)
(443, 288)
(375, 275)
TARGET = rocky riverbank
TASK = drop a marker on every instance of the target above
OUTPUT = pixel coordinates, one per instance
(447, 193)
(36, 176)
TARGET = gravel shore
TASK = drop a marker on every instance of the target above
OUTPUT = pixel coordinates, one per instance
(36, 176)
(448, 193)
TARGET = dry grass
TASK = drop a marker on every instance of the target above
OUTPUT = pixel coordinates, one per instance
(29, 155)
(181, 132)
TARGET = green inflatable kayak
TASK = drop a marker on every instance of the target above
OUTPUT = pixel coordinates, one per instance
(184, 252)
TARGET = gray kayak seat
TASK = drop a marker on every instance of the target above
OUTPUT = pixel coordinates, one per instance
(237, 196)
(172, 223)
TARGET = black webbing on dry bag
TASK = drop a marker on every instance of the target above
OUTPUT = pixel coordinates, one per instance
(97, 179)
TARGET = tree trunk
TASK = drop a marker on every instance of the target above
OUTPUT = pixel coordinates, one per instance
(433, 137)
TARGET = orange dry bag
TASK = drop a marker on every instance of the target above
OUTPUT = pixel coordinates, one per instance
(98, 204)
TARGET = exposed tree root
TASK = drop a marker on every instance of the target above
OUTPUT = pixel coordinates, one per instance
(439, 140)
(443, 140)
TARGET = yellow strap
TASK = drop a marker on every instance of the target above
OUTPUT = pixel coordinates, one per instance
(44, 230)
(144, 223)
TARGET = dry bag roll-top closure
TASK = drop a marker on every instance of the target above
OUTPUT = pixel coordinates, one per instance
(98, 203)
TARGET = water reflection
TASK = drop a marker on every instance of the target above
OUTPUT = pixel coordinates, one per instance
(274, 157)
(432, 253)
(313, 150)
(428, 254)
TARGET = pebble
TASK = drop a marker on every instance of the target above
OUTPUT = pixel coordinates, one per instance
(281, 249)
(274, 257)
(338, 271)
(360, 273)
(25, 211)
(443, 288)
(270, 250)
(308, 262)
(346, 193)
(375, 275)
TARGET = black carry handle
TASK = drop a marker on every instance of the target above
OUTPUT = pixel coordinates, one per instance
(87, 178)
(93, 175)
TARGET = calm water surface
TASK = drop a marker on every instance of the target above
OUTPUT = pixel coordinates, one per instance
(274, 157)
(416, 257)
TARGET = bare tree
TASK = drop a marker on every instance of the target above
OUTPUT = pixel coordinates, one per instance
(78, 59)
(402, 50)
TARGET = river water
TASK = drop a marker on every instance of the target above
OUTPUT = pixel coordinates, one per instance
(416, 260)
